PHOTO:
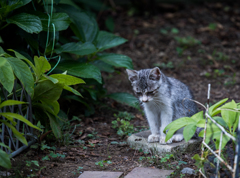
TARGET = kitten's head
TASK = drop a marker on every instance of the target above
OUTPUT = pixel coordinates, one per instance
(145, 83)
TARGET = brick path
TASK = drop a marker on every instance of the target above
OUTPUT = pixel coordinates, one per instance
(138, 172)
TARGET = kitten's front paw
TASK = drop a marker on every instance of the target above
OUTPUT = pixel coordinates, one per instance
(162, 140)
(153, 138)
(177, 137)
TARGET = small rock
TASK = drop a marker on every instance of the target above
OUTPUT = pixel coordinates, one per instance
(188, 170)
(4, 173)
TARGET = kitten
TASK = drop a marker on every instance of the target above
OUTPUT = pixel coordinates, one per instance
(163, 101)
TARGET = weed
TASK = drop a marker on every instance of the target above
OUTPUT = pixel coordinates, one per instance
(123, 127)
(34, 167)
(212, 26)
(187, 42)
(103, 163)
(78, 170)
(163, 65)
(124, 115)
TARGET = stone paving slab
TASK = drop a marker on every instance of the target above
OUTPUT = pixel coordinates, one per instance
(141, 172)
(139, 141)
(100, 174)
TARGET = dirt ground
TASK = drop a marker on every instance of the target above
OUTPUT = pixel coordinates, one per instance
(152, 42)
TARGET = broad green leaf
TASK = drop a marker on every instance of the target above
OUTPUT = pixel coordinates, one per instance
(29, 23)
(55, 126)
(213, 133)
(125, 98)
(78, 48)
(61, 21)
(1, 41)
(52, 104)
(66, 87)
(83, 70)
(235, 125)
(3, 145)
(5, 160)
(10, 119)
(198, 116)
(176, 125)
(229, 116)
(23, 73)
(97, 5)
(42, 65)
(117, 60)
(20, 56)
(6, 74)
(103, 66)
(107, 40)
(50, 78)
(11, 102)
(212, 110)
(11, 5)
(17, 134)
(1, 51)
(19, 117)
(67, 79)
(47, 90)
(109, 22)
(189, 131)
(220, 121)
(86, 27)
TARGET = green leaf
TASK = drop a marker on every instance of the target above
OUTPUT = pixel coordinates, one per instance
(53, 80)
(212, 110)
(198, 116)
(103, 66)
(5, 160)
(17, 134)
(1, 51)
(29, 23)
(66, 87)
(109, 22)
(47, 90)
(107, 40)
(212, 133)
(11, 102)
(189, 131)
(117, 60)
(229, 116)
(20, 56)
(54, 105)
(23, 73)
(61, 21)
(19, 117)
(6, 77)
(55, 126)
(83, 70)
(42, 65)
(77, 48)
(86, 27)
(125, 98)
(176, 125)
(67, 79)
(3, 145)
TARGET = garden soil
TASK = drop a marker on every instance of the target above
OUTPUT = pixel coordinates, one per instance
(152, 41)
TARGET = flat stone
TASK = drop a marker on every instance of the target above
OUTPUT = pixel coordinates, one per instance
(142, 172)
(100, 174)
(188, 170)
(139, 141)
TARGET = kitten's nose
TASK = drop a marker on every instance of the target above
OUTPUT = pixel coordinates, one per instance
(145, 98)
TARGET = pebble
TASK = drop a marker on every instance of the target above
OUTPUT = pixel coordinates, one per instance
(188, 170)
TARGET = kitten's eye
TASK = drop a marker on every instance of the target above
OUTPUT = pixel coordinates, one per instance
(138, 93)
(150, 93)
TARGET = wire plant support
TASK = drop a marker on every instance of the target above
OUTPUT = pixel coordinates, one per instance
(6, 136)
(234, 169)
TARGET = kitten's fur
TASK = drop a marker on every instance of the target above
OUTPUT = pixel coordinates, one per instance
(163, 101)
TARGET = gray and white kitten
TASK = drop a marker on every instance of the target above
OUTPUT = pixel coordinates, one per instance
(163, 101)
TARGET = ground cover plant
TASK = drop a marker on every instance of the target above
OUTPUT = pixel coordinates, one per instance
(146, 48)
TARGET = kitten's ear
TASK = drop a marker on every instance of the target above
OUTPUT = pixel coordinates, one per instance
(132, 75)
(155, 74)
